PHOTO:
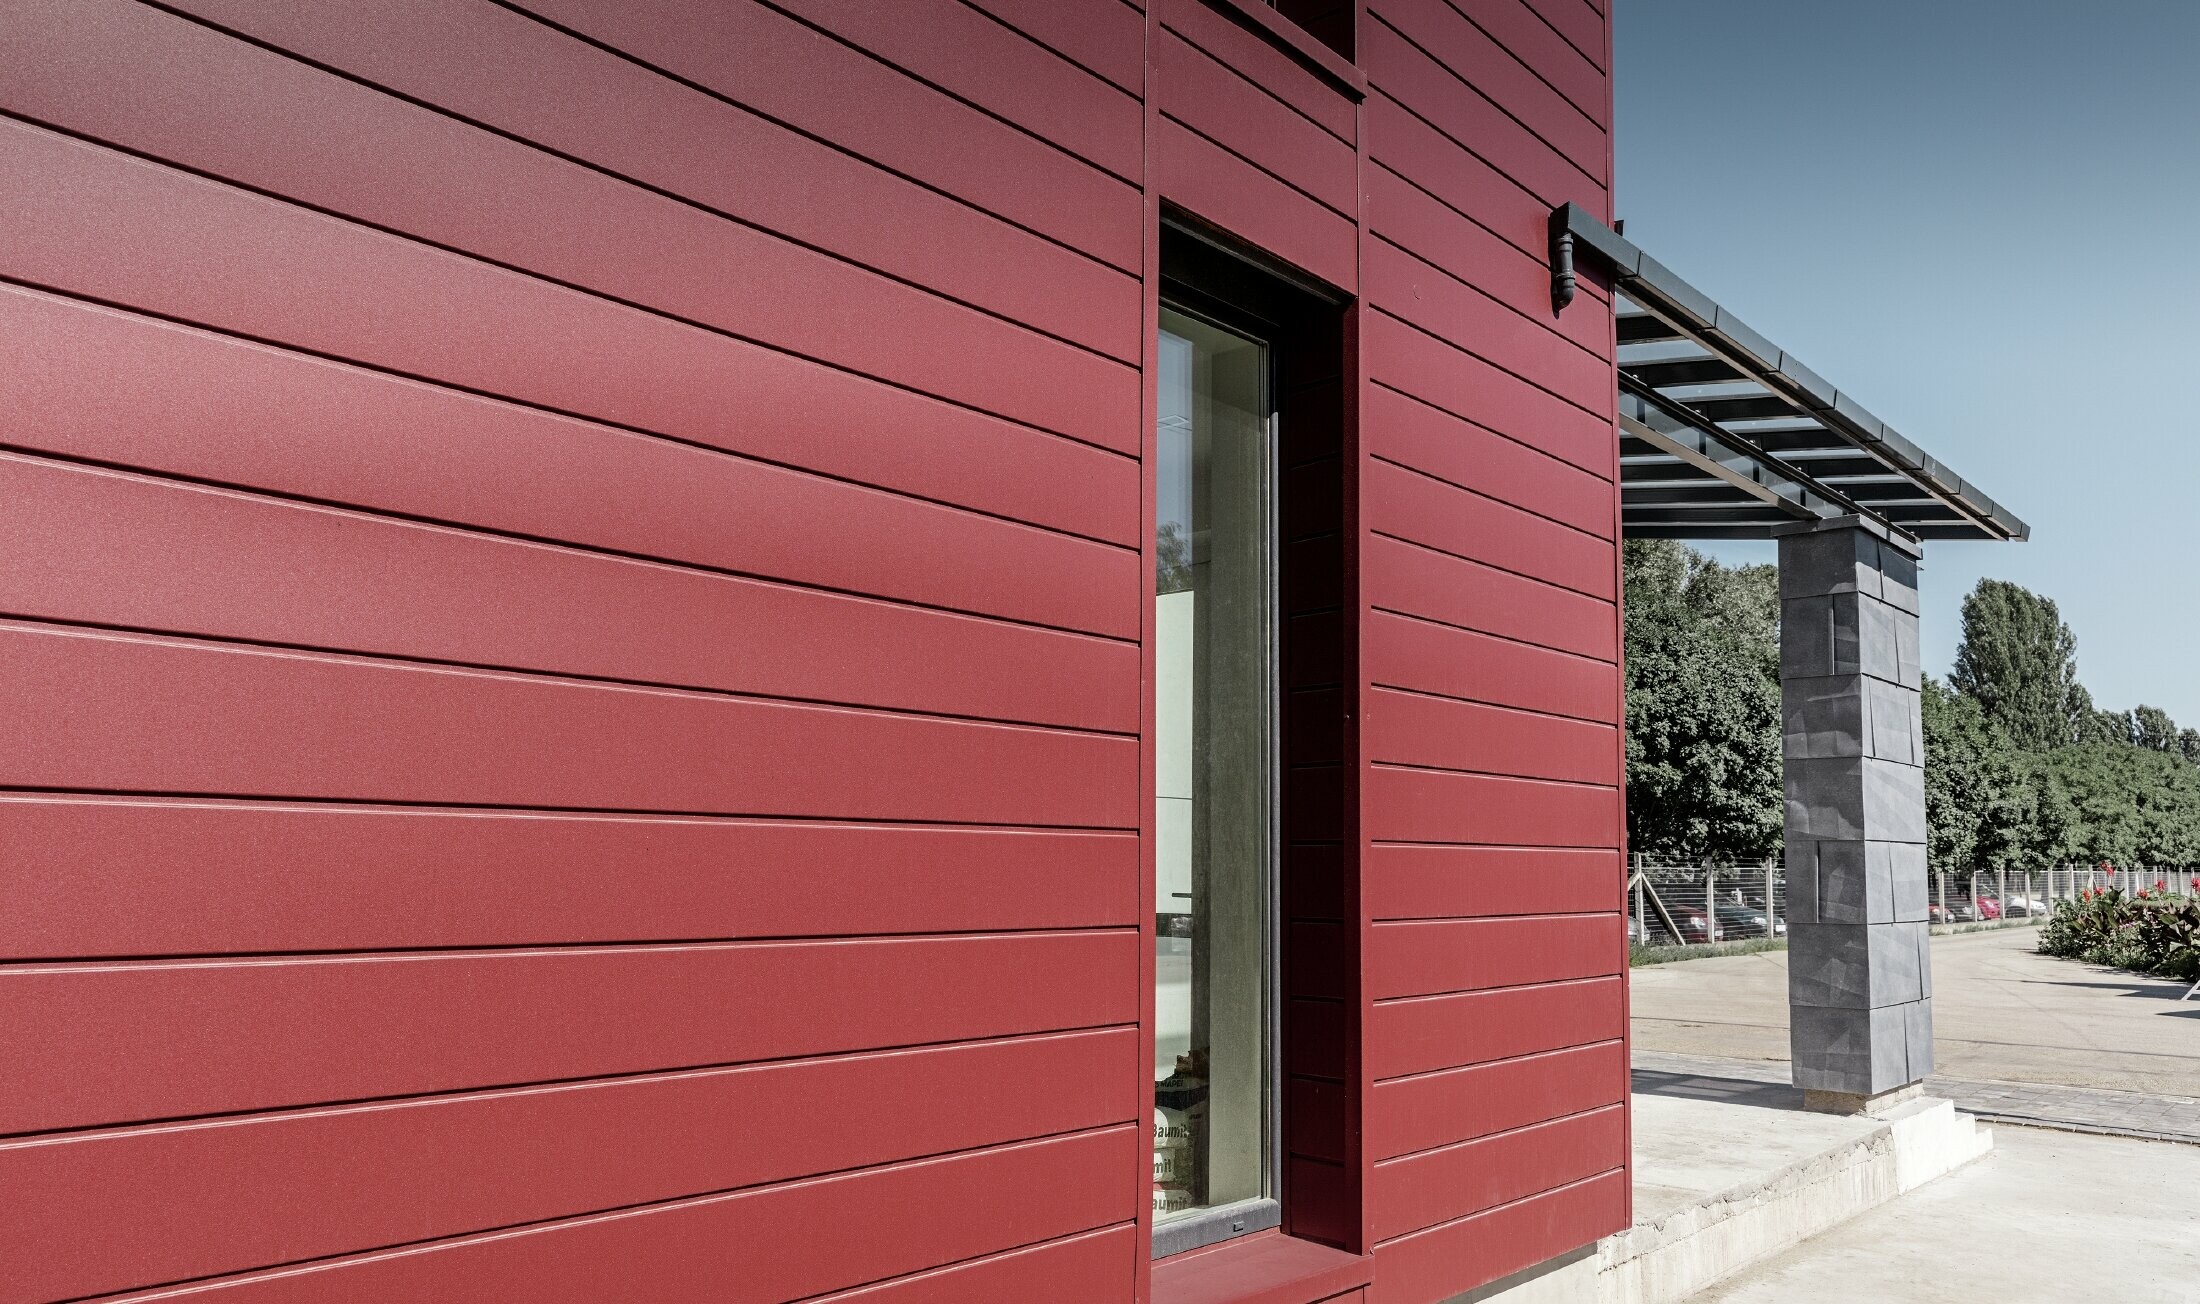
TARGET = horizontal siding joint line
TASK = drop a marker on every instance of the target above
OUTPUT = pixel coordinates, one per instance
(7, 790)
(1439, 269)
(1462, 1142)
(1418, 767)
(1485, 564)
(1433, 406)
(1502, 638)
(1527, 711)
(973, 105)
(1507, 1204)
(180, 1122)
(1455, 346)
(1169, 25)
(1506, 1059)
(1130, 369)
(435, 665)
(1485, 496)
(1295, 189)
(394, 1249)
(1549, 985)
(1564, 155)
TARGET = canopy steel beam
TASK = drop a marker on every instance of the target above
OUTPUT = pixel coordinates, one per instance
(1800, 411)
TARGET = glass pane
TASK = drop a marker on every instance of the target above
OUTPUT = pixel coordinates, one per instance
(1213, 710)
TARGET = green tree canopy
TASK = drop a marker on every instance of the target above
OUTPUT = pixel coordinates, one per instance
(1980, 806)
(2022, 768)
(2153, 729)
(1703, 705)
(2019, 661)
(2127, 805)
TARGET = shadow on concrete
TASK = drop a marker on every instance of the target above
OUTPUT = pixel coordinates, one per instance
(1729, 1091)
(2157, 988)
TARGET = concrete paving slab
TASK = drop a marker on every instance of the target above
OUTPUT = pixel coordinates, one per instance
(1686, 1153)
(2047, 1218)
(2002, 1013)
(2086, 1109)
(1729, 1172)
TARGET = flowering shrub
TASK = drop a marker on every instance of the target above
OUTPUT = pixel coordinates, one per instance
(2149, 931)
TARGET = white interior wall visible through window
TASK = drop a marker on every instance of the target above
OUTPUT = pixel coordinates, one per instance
(1214, 772)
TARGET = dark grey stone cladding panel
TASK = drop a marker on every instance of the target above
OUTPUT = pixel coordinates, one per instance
(1859, 969)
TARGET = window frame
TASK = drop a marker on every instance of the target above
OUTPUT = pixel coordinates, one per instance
(1200, 1228)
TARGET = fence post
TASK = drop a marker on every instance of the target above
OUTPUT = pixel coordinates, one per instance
(1772, 905)
(1710, 904)
(2001, 890)
(1642, 916)
(1940, 888)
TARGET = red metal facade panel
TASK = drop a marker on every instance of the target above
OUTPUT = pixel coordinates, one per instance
(1412, 434)
(1436, 234)
(836, 92)
(1426, 1033)
(560, 1152)
(248, 567)
(1208, 96)
(1106, 39)
(88, 381)
(975, 59)
(1583, 24)
(594, 232)
(571, 627)
(1221, 188)
(211, 877)
(869, 1225)
(221, 718)
(1501, 1240)
(1438, 1185)
(1440, 882)
(183, 1038)
(1435, 1109)
(1429, 657)
(1494, 802)
(506, 72)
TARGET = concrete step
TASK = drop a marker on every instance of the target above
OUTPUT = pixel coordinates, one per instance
(1722, 1185)
(1687, 1249)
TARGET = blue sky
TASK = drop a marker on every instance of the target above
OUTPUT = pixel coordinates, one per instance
(1983, 220)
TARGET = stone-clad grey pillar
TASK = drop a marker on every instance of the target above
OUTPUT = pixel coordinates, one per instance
(1859, 972)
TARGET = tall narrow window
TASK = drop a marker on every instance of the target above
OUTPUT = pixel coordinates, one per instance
(1215, 695)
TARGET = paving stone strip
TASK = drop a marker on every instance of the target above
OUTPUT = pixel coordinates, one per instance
(2033, 1104)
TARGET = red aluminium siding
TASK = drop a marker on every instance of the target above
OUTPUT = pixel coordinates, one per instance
(572, 621)
(1496, 1128)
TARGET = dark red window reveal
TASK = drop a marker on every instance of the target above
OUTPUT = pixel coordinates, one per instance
(596, 662)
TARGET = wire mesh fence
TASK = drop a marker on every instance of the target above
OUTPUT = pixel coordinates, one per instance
(1694, 905)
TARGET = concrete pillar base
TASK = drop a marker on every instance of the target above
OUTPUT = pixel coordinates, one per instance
(1848, 1102)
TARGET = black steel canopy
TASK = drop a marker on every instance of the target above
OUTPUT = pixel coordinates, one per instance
(1722, 435)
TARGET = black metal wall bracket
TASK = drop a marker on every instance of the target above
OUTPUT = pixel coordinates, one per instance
(1562, 262)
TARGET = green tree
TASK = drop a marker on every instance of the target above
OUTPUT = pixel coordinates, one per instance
(2188, 745)
(2153, 729)
(1703, 704)
(2127, 805)
(1980, 807)
(2019, 661)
